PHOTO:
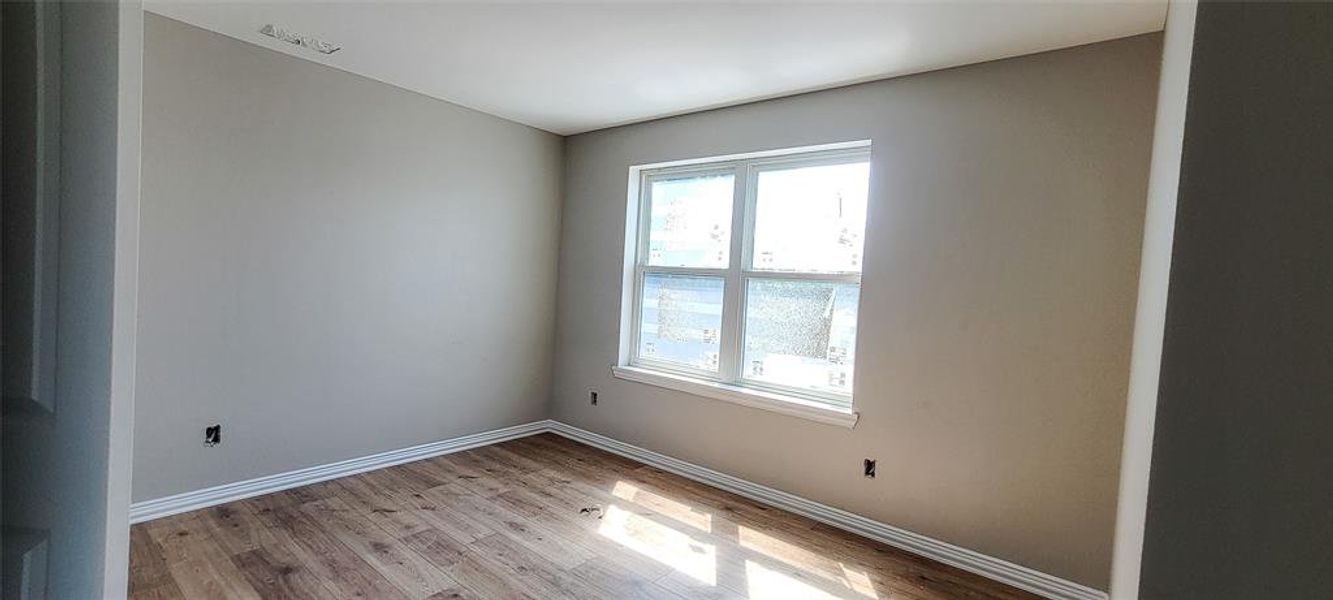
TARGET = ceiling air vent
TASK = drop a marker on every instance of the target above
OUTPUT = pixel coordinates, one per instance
(291, 37)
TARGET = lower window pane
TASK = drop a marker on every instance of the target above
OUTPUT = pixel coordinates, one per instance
(680, 320)
(801, 334)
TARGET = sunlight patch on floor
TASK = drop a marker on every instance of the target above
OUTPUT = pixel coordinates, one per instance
(661, 543)
(663, 505)
(767, 584)
(773, 569)
(807, 561)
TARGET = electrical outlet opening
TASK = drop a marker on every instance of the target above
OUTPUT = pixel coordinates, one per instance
(869, 468)
(212, 435)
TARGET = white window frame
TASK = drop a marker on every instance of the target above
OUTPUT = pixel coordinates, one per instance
(729, 382)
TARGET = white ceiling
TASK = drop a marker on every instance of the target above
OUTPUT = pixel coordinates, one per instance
(572, 67)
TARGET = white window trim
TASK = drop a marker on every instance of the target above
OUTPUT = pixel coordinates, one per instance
(825, 408)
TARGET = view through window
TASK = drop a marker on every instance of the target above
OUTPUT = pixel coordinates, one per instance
(748, 272)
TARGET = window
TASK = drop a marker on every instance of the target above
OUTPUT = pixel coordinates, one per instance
(747, 275)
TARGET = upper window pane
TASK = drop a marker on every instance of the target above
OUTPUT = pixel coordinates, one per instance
(681, 320)
(811, 219)
(690, 221)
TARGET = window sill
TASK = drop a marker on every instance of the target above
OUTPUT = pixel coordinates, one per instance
(787, 405)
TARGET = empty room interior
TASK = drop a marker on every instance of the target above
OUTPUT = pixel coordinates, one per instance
(660, 300)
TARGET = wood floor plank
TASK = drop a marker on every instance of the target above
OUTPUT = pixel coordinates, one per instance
(513, 459)
(437, 507)
(455, 594)
(404, 478)
(542, 517)
(374, 498)
(616, 581)
(472, 474)
(464, 474)
(538, 576)
(338, 567)
(166, 590)
(595, 469)
(484, 578)
(277, 579)
(235, 528)
(149, 571)
(568, 518)
(650, 513)
(687, 587)
(476, 461)
(407, 570)
(209, 580)
(197, 562)
(600, 577)
(539, 538)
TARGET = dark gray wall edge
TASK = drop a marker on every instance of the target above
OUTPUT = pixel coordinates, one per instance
(1238, 502)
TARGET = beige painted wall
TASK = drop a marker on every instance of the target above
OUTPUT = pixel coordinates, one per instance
(997, 303)
(330, 266)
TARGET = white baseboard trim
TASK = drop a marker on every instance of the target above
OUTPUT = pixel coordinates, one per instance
(990, 567)
(188, 501)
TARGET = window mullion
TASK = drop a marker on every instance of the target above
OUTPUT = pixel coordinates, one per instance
(729, 359)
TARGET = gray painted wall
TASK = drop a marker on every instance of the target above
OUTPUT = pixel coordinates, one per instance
(997, 302)
(1239, 495)
(330, 267)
